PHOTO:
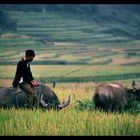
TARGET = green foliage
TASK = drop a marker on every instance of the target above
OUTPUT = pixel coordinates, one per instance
(134, 107)
(90, 23)
(80, 8)
(6, 23)
(84, 105)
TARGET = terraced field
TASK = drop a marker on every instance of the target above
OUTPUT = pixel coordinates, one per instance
(77, 55)
(72, 57)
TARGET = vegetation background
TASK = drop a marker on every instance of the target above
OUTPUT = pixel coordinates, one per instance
(78, 46)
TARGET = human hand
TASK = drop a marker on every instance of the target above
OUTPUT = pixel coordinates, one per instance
(35, 83)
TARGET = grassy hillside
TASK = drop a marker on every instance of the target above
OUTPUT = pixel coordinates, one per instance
(86, 38)
(89, 23)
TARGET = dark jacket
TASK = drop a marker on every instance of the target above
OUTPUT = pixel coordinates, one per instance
(23, 71)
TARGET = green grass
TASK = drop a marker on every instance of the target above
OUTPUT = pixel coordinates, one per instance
(72, 29)
(82, 52)
(73, 73)
(68, 122)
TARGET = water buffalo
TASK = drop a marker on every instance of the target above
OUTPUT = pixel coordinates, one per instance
(115, 96)
(45, 97)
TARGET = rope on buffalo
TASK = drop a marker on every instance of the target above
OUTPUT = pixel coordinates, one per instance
(17, 100)
(68, 73)
(112, 77)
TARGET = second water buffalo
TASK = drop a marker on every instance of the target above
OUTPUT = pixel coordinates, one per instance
(110, 96)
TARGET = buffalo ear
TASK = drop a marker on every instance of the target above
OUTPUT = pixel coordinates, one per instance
(133, 84)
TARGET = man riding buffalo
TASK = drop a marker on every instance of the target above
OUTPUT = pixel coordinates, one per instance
(24, 78)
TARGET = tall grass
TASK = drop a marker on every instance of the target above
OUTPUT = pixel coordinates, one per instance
(67, 122)
(78, 119)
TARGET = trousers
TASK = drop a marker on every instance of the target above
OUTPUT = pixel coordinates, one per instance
(30, 93)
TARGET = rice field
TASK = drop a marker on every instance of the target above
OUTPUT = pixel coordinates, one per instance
(74, 120)
(77, 63)
(38, 122)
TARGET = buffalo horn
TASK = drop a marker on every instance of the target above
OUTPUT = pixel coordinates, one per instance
(42, 101)
(64, 104)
